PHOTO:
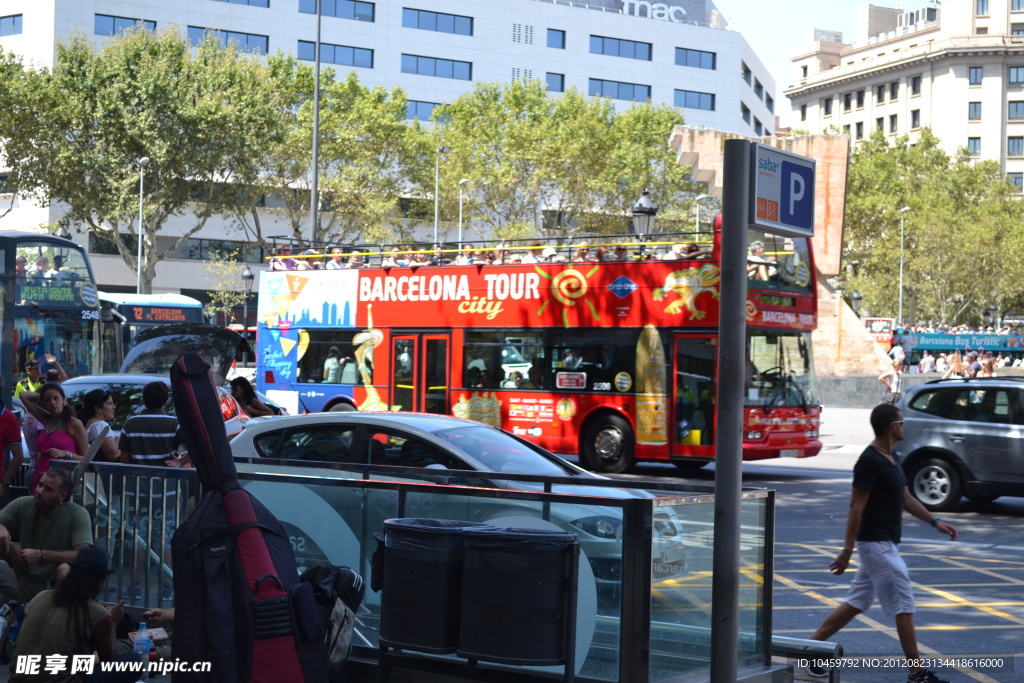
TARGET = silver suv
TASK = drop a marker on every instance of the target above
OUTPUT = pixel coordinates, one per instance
(963, 437)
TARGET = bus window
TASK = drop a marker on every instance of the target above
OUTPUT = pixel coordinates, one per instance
(601, 355)
(776, 262)
(491, 358)
(329, 358)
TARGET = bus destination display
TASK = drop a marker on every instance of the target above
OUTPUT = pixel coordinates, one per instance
(159, 314)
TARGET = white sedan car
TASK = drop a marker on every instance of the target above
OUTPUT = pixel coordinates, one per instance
(439, 443)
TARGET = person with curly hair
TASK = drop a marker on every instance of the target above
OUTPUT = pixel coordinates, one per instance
(68, 621)
(243, 392)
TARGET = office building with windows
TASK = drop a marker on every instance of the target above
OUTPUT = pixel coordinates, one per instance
(681, 52)
(958, 71)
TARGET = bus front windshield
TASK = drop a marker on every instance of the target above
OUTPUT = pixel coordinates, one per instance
(780, 370)
(66, 337)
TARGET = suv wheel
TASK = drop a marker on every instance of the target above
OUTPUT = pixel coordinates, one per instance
(936, 483)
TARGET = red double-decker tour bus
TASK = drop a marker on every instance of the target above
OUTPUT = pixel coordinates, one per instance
(614, 360)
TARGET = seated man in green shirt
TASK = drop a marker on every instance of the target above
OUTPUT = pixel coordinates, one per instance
(50, 529)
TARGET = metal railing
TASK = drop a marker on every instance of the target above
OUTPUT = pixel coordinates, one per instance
(330, 512)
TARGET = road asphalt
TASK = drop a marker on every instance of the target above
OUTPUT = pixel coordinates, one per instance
(844, 433)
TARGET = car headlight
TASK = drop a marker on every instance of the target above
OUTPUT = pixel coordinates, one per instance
(754, 436)
(599, 526)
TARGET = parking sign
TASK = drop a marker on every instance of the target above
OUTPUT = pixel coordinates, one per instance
(783, 186)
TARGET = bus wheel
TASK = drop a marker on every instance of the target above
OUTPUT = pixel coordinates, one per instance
(608, 445)
(341, 407)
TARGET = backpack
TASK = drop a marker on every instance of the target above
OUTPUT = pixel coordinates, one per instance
(238, 602)
(339, 593)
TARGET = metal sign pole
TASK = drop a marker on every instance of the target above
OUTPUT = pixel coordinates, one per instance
(731, 367)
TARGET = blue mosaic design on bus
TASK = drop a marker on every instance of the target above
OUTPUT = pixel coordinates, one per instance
(623, 287)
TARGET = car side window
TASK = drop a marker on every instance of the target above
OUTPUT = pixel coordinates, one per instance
(930, 402)
(390, 447)
(266, 444)
(315, 443)
(127, 400)
(986, 404)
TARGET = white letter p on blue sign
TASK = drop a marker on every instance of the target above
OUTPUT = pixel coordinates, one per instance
(797, 205)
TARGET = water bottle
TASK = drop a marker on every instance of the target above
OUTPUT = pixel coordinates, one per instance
(142, 644)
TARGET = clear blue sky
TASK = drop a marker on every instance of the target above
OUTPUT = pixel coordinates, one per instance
(775, 28)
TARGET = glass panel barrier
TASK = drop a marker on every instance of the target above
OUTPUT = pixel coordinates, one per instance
(627, 629)
(681, 599)
(755, 581)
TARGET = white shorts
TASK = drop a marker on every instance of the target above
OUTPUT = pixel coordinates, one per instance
(882, 572)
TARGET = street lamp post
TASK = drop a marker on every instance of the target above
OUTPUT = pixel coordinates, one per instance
(644, 212)
(443, 149)
(248, 277)
(855, 301)
(314, 189)
(462, 184)
(903, 215)
(697, 202)
(142, 163)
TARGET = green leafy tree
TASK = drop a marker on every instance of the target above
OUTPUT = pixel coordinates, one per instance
(370, 156)
(225, 295)
(641, 158)
(202, 116)
(16, 149)
(498, 135)
(962, 247)
(367, 159)
(574, 158)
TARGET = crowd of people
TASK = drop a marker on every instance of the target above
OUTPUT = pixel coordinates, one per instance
(42, 270)
(48, 562)
(926, 328)
(535, 252)
(54, 567)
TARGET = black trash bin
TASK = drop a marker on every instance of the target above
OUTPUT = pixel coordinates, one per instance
(422, 583)
(515, 596)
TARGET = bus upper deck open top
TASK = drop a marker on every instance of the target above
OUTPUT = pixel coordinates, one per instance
(614, 360)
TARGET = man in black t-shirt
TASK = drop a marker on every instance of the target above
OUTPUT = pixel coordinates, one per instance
(877, 502)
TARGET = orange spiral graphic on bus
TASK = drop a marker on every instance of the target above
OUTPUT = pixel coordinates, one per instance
(568, 286)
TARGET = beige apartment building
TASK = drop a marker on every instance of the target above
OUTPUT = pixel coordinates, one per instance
(958, 70)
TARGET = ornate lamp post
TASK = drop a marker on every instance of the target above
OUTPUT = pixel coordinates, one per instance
(248, 277)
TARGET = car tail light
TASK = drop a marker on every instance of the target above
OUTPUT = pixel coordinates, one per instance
(228, 407)
(268, 376)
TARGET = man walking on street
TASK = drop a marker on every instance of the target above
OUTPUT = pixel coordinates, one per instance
(874, 521)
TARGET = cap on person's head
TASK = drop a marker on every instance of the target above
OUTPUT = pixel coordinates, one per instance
(972, 354)
(548, 252)
(92, 559)
(31, 363)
